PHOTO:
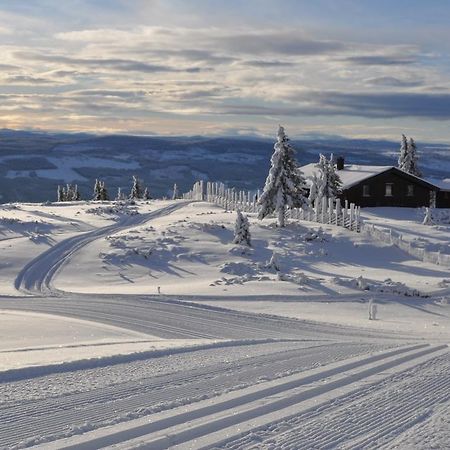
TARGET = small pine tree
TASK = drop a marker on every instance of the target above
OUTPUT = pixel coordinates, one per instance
(136, 189)
(103, 194)
(120, 195)
(412, 158)
(242, 230)
(76, 193)
(314, 189)
(285, 185)
(330, 182)
(175, 192)
(402, 157)
(146, 195)
(61, 194)
(97, 190)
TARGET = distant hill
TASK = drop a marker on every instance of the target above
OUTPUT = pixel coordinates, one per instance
(32, 164)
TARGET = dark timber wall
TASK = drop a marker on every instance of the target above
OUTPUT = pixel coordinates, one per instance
(377, 191)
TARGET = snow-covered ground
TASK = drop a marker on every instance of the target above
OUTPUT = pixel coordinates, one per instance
(144, 325)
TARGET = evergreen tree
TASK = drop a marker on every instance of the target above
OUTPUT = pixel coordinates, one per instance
(76, 193)
(61, 194)
(330, 182)
(120, 195)
(146, 195)
(402, 157)
(136, 190)
(242, 230)
(103, 194)
(97, 189)
(314, 189)
(412, 157)
(285, 185)
(175, 192)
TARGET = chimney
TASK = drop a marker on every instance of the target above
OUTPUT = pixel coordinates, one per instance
(340, 163)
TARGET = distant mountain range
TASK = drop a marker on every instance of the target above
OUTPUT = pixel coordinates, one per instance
(32, 164)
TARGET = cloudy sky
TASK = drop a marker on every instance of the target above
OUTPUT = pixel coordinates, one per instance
(354, 68)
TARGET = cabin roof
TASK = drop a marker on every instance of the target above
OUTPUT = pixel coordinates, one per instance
(350, 175)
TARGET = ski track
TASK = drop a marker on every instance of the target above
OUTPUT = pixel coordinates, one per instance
(57, 405)
(366, 419)
(37, 276)
(21, 419)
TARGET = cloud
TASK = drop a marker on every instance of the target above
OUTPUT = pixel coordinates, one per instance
(122, 65)
(286, 43)
(379, 60)
(394, 82)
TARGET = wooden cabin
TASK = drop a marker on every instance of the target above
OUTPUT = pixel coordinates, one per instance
(372, 186)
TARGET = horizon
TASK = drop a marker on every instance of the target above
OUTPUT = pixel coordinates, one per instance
(204, 68)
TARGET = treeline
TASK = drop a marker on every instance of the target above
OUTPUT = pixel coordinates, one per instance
(138, 191)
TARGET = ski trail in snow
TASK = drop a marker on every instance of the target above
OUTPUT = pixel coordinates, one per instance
(37, 276)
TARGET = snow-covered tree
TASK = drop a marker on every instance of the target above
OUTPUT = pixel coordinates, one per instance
(285, 185)
(412, 158)
(136, 190)
(330, 182)
(402, 157)
(428, 219)
(146, 194)
(175, 192)
(242, 230)
(120, 195)
(314, 188)
(61, 194)
(407, 160)
(97, 189)
(104, 196)
(76, 193)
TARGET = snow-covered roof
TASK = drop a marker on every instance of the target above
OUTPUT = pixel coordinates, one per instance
(351, 174)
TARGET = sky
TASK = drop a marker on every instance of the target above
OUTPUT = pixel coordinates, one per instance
(353, 68)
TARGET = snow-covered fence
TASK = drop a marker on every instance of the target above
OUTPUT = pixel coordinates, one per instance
(389, 236)
(330, 211)
(324, 210)
(197, 192)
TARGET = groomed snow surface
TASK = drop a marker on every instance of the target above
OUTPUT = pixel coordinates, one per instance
(144, 326)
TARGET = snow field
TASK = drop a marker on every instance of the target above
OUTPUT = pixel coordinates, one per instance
(190, 252)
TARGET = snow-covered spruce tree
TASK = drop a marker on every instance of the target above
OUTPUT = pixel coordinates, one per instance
(402, 157)
(104, 196)
(314, 188)
(330, 182)
(412, 158)
(242, 230)
(136, 190)
(175, 192)
(146, 194)
(285, 185)
(97, 189)
(61, 194)
(76, 193)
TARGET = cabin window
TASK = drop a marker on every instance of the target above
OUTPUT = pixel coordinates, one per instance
(388, 190)
(410, 192)
(366, 190)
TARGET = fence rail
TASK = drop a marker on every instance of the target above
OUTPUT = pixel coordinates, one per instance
(389, 236)
(326, 211)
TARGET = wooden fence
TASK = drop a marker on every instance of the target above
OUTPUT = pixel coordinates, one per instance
(326, 211)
